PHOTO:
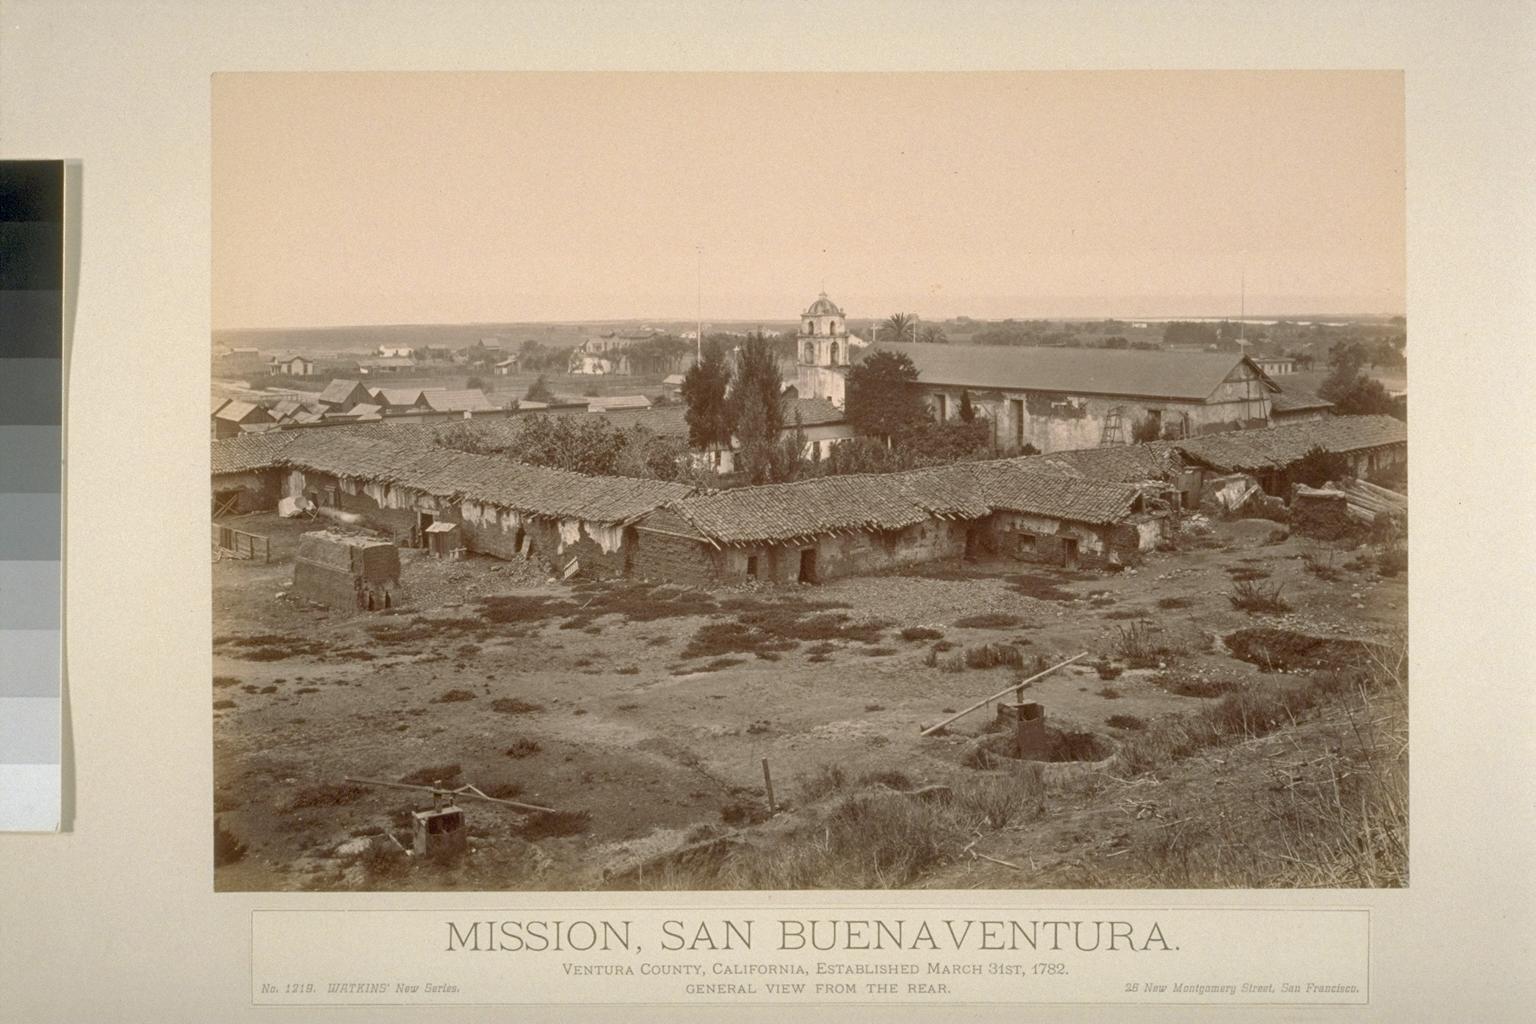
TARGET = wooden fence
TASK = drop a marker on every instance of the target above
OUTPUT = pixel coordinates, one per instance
(233, 543)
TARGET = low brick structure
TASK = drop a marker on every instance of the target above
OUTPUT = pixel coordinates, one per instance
(347, 572)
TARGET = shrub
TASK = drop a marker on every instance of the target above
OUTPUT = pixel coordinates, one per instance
(554, 824)
(825, 779)
(1106, 670)
(921, 633)
(503, 790)
(1140, 645)
(515, 706)
(1392, 562)
(743, 812)
(890, 779)
(1170, 603)
(1130, 722)
(523, 747)
(1248, 596)
(989, 620)
(993, 655)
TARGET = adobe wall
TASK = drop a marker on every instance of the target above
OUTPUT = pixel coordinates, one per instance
(1043, 540)
(845, 554)
(674, 559)
(1057, 422)
(487, 530)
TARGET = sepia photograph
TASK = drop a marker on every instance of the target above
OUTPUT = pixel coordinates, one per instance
(808, 481)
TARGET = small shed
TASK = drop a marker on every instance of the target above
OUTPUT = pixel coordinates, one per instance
(346, 571)
(445, 540)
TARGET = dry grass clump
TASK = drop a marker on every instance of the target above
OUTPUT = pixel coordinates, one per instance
(1143, 645)
(989, 620)
(1131, 722)
(522, 747)
(821, 782)
(515, 706)
(922, 633)
(1248, 596)
(876, 838)
(980, 657)
(453, 697)
(1170, 603)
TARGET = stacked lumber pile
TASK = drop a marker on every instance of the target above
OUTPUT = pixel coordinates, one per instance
(1366, 501)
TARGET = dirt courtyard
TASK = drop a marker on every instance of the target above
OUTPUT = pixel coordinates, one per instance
(642, 713)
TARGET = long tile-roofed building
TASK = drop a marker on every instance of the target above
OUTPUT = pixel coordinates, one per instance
(892, 501)
(1083, 371)
(416, 465)
(1279, 446)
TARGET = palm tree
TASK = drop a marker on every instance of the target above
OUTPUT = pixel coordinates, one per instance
(900, 326)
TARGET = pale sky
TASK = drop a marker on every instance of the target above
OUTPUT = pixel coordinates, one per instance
(452, 198)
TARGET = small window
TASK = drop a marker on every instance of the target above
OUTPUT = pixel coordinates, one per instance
(1025, 544)
(752, 566)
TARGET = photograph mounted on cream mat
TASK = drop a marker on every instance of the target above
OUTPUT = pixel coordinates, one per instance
(777, 481)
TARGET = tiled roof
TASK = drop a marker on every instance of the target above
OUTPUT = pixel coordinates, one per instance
(784, 512)
(411, 462)
(1126, 463)
(251, 451)
(1083, 371)
(814, 412)
(1276, 447)
(1295, 399)
(459, 400)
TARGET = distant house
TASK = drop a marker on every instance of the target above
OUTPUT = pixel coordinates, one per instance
(396, 351)
(235, 417)
(1276, 366)
(293, 365)
(342, 395)
(507, 366)
(1060, 398)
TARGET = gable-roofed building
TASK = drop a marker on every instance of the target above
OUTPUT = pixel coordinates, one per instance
(466, 401)
(235, 417)
(1053, 399)
(341, 395)
(394, 401)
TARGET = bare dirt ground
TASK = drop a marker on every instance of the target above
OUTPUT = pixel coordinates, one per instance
(642, 714)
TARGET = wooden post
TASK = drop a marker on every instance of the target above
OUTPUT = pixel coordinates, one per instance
(768, 785)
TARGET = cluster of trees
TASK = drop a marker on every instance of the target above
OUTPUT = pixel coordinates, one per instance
(580, 444)
(907, 327)
(1350, 390)
(740, 400)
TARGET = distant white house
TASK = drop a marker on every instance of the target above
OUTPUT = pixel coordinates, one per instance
(396, 351)
(293, 365)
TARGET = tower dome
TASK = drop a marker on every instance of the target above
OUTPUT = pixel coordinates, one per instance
(823, 306)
